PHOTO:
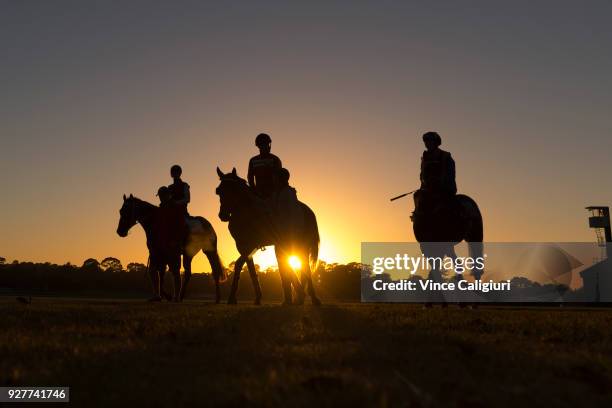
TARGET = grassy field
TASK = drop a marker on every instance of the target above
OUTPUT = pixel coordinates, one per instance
(117, 353)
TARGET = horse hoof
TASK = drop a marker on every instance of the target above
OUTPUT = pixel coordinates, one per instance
(287, 303)
(316, 302)
(257, 302)
(232, 301)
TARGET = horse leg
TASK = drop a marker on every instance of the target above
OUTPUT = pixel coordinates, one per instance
(307, 282)
(174, 265)
(254, 279)
(162, 274)
(231, 300)
(217, 271)
(153, 272)
(283, 268)
(476, 250)
(458, 277)
(187, 276)
(299, 284)
(433, 250)
(453, 255)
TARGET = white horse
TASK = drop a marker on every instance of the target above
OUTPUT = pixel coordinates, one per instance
(201, 236)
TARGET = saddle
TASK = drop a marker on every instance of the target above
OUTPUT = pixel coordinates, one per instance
(436, 207)
(283, 212)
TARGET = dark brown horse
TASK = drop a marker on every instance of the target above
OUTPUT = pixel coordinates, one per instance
(201, 235)
(439, 232)
(254, 225)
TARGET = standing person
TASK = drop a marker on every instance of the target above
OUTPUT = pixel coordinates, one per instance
(179, 190)
(438, 185)
(264, 168)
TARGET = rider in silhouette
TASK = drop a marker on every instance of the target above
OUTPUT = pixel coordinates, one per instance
(438, 186)
(263, 168)
(170, 220)
(285, 191)
(179, 190)
(287, 204)
(165, 243)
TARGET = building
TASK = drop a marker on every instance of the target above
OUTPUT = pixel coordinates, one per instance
(597, 279)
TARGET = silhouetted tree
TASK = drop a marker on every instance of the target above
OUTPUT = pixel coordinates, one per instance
(335, 281)
(520, 282)
(91, 265)
(110, 264)
(134, 267)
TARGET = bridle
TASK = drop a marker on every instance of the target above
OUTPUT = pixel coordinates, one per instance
(240, 183)
(133, 214)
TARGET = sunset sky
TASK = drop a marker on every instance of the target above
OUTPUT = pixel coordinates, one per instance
(100, 98)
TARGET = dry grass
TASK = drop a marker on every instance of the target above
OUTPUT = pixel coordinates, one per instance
(129, 352)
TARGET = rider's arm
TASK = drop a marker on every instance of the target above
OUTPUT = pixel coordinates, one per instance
(277, 166)
(186, 195)
(251, 175)
(451, 174)
(422, 175)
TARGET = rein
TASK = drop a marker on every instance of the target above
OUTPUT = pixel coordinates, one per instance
(142, 217)
(251, 205)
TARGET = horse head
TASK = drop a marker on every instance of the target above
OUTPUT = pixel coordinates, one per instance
(127, 215)
(232, 191)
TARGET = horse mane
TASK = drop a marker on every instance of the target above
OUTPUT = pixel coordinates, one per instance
(242, 182)
(146, 204)
(234, 177)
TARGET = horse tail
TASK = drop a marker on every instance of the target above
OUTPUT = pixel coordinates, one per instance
(315, 239)
(218, 271)
(474, 234)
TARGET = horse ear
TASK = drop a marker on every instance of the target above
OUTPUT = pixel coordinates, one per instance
(131, 196)
(219, 172)
(234, 171)
(124, 197)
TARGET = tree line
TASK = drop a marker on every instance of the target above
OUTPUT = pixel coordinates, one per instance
(109, 278)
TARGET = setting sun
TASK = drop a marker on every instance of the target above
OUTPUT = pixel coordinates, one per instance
(295, 262)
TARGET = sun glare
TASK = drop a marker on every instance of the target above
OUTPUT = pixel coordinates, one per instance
(295, 262)
(266, 259)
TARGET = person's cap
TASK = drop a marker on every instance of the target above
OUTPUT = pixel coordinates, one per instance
(162, 191)
(433, 136)
(262, 139)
